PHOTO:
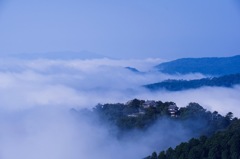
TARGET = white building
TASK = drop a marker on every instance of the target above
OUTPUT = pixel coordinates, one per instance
(173, 109)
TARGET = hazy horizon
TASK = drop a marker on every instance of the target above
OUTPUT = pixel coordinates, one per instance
(58, 57)
(121, 29)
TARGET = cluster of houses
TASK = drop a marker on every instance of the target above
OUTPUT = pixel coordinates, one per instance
(172, 109)
(140, 112)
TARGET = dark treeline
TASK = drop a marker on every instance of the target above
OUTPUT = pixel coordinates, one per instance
(222, 145)
(140, 114)
(177, 85)
(215, 136)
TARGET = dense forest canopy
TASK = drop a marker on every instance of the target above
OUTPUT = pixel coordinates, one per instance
(140, 115)
(178, 85)
(213, 135)
(224, 144)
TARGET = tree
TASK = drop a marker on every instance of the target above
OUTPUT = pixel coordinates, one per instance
(169, 153)
(154, 155)
(229, 115)
(162, 155)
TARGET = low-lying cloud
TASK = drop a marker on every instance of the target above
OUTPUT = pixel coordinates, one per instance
(51, 133)
(219, 99)
(36, 96)
(73, 83)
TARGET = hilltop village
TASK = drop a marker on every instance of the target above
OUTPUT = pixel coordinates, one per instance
(141, 114)
(151, 104)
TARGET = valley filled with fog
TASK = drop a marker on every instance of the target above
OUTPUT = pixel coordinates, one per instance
(37, 95)
(85, 83)
(124, 79)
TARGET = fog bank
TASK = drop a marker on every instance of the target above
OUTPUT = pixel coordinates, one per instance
(37, 95)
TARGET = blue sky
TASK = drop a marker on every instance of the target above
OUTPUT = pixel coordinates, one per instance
(122, 28)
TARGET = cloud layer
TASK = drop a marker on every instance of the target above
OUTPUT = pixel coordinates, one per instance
(36, 96)
(73, 83)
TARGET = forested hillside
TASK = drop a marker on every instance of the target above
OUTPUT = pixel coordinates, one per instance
(140, 114)
(222, 145)
(178, 85)
(207, 66)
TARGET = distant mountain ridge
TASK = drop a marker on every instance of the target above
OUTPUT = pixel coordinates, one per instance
(208, 66)
(62, 55)
(178, 85)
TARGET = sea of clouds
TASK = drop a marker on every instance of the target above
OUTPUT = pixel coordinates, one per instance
(36, 96)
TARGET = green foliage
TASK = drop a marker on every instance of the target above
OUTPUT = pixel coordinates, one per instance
(154, 155)
(222, 145)
(177, 85)
(134, 115)
(162, 155)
